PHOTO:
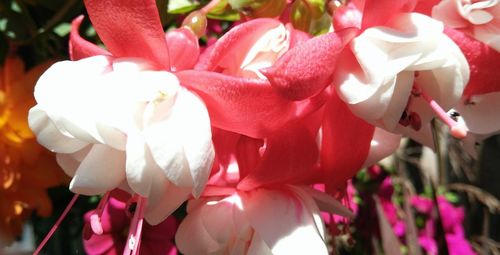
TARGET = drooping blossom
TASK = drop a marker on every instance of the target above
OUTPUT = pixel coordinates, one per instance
(394, 74)
(262, 221)
(479, 19)
(26, 169)
(158, 239)
(474, 27)
(124, 120)
(140, 121)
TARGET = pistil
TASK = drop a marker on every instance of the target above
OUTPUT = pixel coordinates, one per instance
(134, 236)
(456, 130)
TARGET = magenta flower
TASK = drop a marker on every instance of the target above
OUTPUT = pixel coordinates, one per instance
(452, 218)
(158, 239)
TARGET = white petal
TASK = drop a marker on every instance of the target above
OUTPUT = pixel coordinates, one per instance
(447, 12)
(397, 104)
(382, 145)
(258, 246)
(165, 141)
(482, 116)
(141, 169)
(192, 238)
(196, 137)
(283, 222)
(164, 199)
(49, 136)
(217, 220)
(479, 17)
(101, 170)
(327, 203)
(70, 162)
(312, 208)
(375, 106)
(64, 91)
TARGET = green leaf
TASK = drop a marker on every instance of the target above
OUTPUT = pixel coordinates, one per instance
(452, 197)
(62, 29)
(182, 6)
(231, 15)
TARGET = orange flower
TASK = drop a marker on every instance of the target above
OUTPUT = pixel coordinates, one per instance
(26, 168)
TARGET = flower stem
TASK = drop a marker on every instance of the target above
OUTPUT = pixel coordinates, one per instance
(56, 225)
(439, 235)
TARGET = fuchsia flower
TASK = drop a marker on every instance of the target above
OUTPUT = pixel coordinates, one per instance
(399, 69)
(283, 220)
(452, 218)
(157, 239)
(155, 130)
(479, 19)
(474, 26)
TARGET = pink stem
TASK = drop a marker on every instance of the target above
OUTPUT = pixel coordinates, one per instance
(135, 231)
(56, 225)
(207, 8)
(95, 218)
(456, 129)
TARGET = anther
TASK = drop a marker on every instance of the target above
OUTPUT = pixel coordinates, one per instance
(95, 218)
(456, 130)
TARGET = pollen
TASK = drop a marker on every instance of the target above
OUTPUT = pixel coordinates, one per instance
(161, 96)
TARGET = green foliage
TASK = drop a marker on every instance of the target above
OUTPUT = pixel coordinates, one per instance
(182, 6)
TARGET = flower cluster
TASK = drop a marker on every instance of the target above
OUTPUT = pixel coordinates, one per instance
(243, 128)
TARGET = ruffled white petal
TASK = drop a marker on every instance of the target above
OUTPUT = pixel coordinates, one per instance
(49, 136)
(100, 171)
(191, 114)
(481, 114)
(283, 223)
(388, 61)
(164, 199)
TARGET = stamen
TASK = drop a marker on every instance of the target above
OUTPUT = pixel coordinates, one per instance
(95, 218)
(56, 225)
(134, 235)
(456, 130)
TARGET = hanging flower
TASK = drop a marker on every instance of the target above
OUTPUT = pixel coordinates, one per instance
(479, 19)
(474, 26)
(158, 239)
(26, 169)
(261, 221)
(119, 115)
(400, 75)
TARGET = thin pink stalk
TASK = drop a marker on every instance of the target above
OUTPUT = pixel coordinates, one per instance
(95, 218)
(456, 130)
(207, 8)
(56, 225)
(135, 231)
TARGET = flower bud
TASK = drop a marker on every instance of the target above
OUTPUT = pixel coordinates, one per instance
(316, 7)
(300, 16)
(197, 22)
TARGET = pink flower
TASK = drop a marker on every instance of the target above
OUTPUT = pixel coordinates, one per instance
(479, 19)
(388, 75)
(452, 218)
(157, 239)
(281, 220)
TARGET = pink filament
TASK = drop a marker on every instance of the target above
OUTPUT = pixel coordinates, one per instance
(134, 234)
(456, 129)
(95, 218)
(56, 225)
